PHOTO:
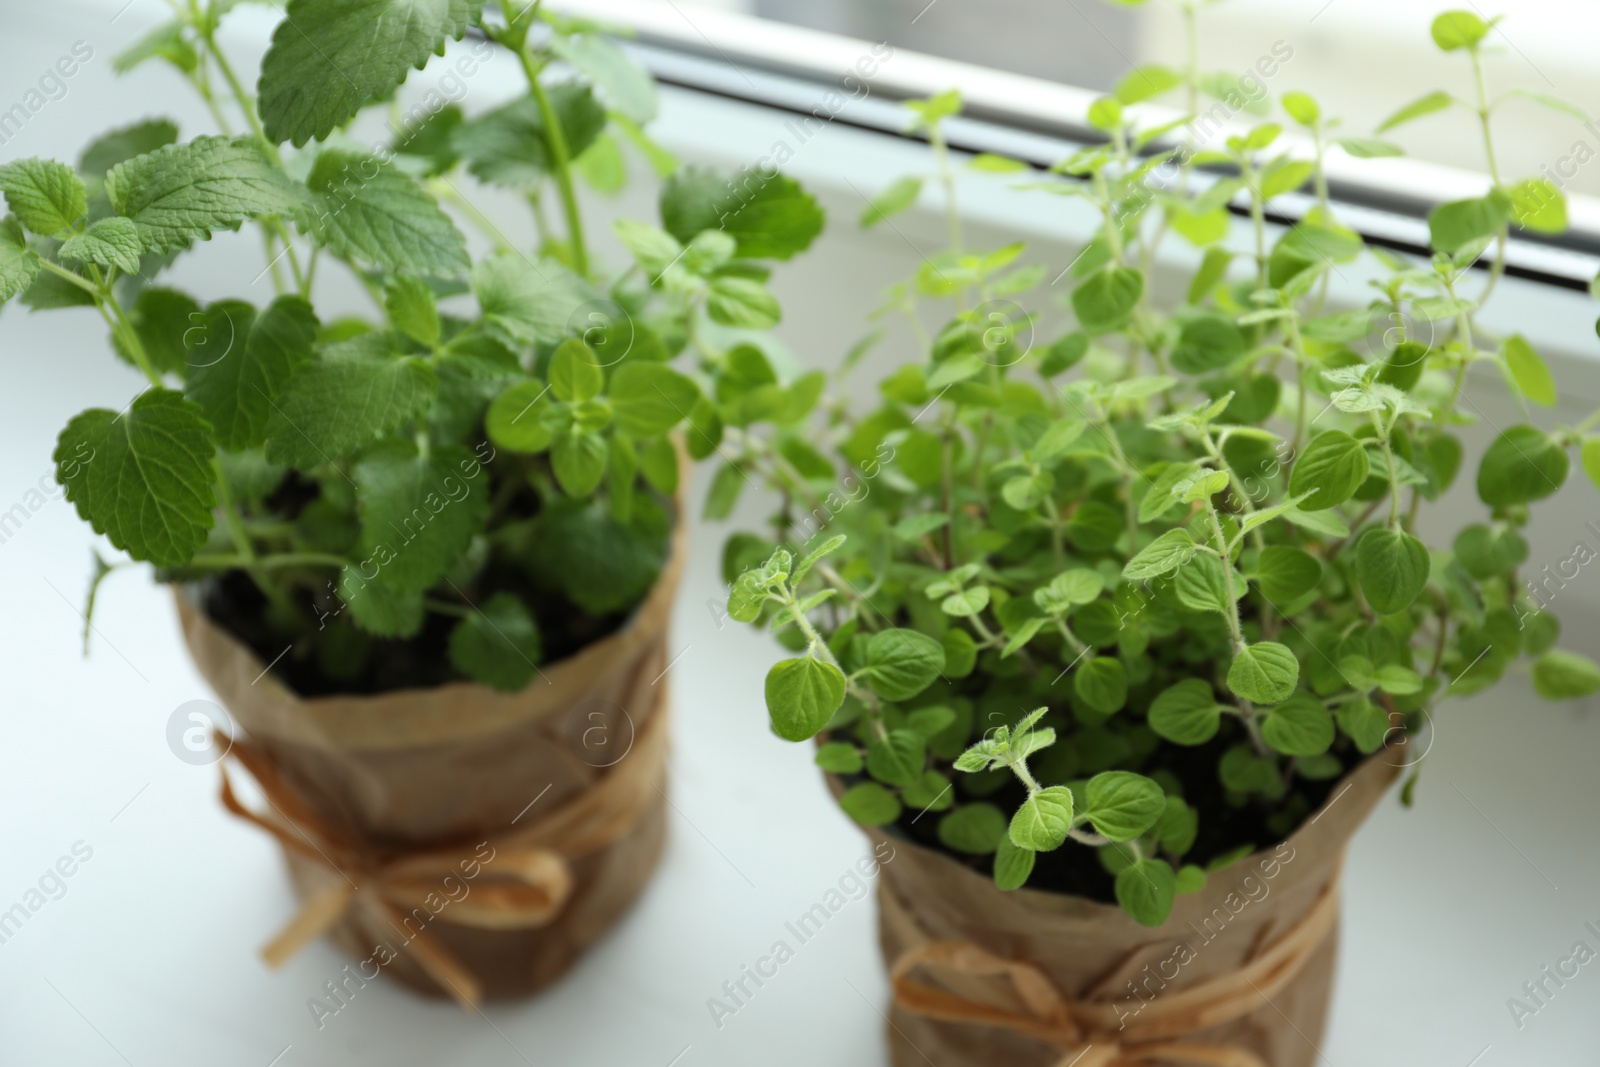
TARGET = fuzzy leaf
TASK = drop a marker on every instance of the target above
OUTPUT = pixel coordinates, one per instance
(246, 359)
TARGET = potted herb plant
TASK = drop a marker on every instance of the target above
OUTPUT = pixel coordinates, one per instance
(1117, 637)
(426, 553)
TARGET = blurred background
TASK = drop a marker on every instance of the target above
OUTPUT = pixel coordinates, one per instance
(148, 954)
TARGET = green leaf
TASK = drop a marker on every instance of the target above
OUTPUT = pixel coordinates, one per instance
(1331, 469)
(109, 149)
(143, 478)
(599, 562)
(900, 195)
(1186, 713)
(331, 58)
(1301, 107)
(1365, 724)
(902, 663)
(1522, 465)
(1529, 371)
(515, 420)
(1207, 343)
(579, 460)
(1265, 672)
(1162, 556)
(166, 41)
(1369, 148)
(743, 303)
(649, 399)
(1012, 865)
(1284, 573)
(510, 145)
(378, 609)
(110, 242)
(1104, 300)
(43, 194)
(1559, 675)
(768, 217)
(575, 374)
(967, 603)
(1300, 726)
(1392, 567)
(410, 305)
(1424, 105)
(1460, 222)
(802, 695)
(1101, 683)
(1538, 204)
(357, 392)
(418, 513)
(1042, 822)
(237, 376)
(1144, 83)
(623, 84)
(960, 653)
(726, 485)
(532, 303)
(897, 757)
(1146, 889)
(1122, 805)
(1454, 30)
(181, 193)
(870, 804)
(976, 829)
(385, 218)
(497, 644)
(1202, 584)
(838, 757)
(19, 264)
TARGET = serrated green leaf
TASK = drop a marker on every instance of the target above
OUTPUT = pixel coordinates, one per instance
(768, 217)
(244, 363)
(625, 86)
(110, 242)
(418, 513)
(533, 303)
(46, 196)
(183, 192)
(510, 145)
(355, 393)
(384, 218)
(19, 264)
(330, 58)
(143, 477)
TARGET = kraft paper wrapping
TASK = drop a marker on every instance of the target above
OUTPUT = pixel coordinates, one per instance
(1095, 953)
(460, 763)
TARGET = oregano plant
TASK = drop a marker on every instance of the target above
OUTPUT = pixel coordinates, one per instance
(1105, 611)
(475, 473)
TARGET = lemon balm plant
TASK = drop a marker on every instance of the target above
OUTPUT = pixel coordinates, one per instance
(1123, 607)
(474, 476)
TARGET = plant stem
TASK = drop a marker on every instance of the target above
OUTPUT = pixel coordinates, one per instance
(560, 159)
(269, 562)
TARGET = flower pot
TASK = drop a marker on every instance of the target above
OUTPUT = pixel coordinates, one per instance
(470, 842)
(1239, 976)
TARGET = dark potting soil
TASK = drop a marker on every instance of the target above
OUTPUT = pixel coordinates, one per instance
(352, 663)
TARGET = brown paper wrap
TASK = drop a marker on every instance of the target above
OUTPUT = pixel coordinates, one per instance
(1052, 972)
(448, 767)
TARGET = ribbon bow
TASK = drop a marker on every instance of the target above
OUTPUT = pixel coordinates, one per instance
(1095, 1033)
(528, 886)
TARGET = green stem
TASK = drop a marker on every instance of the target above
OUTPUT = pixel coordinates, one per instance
(561, 163)
(269, 562)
